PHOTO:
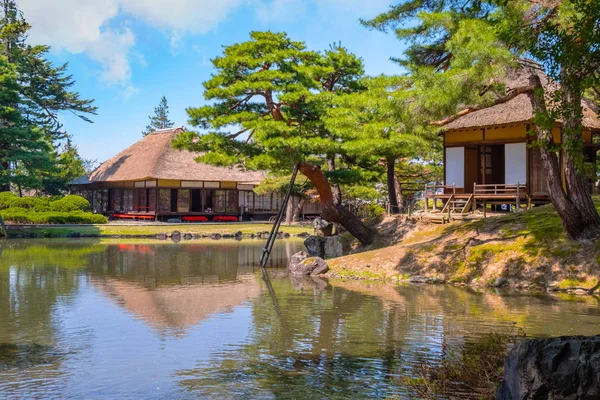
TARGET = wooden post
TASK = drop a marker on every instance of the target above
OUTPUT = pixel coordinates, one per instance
(484, 209)
(518, 197)
(426, 200)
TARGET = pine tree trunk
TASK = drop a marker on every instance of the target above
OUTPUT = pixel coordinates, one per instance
(333, 212)
(298, 210)
(335, 188)
(576, 181)
(399, 196)
(391, 184)
(571, 217)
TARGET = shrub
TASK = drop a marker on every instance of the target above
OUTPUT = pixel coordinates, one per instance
(5, 199)
(375, 214)
(70, 203)
(472, 370)
(24, 216)
(39, 204)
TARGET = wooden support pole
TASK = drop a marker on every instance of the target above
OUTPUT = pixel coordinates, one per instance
(518, 197)
(484, 209)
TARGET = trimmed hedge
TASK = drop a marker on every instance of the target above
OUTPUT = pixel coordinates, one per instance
(24, 216)
(70, 203)
(43, 210)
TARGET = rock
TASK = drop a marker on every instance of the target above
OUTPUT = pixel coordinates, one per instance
(315, 245)
(215, 236)
(333, 247)
(197, 236)
(188, 236)
(238, 234)
(227, 236)
(420, 279)
(174, 221)
(555, 368)
(322, 227)
(286, 235)
(301, 264)
(175, 234)
(500, 282)
(303, 234)
(162, 236)
(253, 236)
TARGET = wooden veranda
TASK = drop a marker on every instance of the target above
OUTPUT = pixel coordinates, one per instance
(449, 204)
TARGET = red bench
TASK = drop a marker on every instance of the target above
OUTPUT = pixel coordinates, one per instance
(133, 216)
(225, 218)
(194, 218)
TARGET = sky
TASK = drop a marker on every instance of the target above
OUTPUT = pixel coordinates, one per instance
(126, 54)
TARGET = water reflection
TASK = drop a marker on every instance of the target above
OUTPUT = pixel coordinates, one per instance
(195, 319)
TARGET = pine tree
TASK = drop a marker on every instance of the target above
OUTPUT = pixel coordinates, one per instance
(160, 119)
(269, 95)
(29, 152)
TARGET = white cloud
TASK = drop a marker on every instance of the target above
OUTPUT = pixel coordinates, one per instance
(87, 26)
(92, 27)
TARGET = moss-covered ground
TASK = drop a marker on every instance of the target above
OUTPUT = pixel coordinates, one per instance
(528, 248)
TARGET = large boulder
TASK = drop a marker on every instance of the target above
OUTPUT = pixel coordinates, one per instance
(557, 368)
(301, 264)
(315, 245)
(333, 247)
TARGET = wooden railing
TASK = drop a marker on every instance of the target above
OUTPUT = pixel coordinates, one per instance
(498, 189)
(432, 190)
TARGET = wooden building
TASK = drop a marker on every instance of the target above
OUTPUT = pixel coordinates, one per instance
(487, 153)
(152, 180)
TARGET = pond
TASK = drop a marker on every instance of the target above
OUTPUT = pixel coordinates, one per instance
(148, 319)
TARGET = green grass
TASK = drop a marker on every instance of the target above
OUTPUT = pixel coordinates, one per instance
(148, 230)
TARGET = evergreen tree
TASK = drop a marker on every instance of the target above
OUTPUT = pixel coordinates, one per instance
(379, 127)
(269, 96)
(463, 49)
(160, 119)
(43, 91)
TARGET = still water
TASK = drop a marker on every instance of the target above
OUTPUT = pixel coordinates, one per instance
(116, 320)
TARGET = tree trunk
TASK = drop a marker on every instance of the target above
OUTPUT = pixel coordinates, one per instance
(335, 188)
(298, 210)
(399, 196)
(333, 212)
(289, 211)
(576, 181)
(391, 184)
(572, 220)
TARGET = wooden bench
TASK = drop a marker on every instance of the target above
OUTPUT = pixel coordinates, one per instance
(225, 218)
(194, 218)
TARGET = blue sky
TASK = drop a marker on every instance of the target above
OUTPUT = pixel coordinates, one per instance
(126, 54)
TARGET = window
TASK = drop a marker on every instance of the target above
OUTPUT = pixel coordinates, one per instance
(127, 200)
(232, 201)
(183, 200)
(117, 200)
(262, 202)
(164, 200)
(151, 199)
(219, 201)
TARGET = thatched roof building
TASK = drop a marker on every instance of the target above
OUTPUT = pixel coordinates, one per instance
(152, 180)
(488, 149)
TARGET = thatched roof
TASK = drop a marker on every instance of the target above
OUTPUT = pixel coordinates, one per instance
(154, 157)
(519, 109)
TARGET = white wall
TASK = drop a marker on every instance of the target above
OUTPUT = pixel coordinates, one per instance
(455, 166)
(515, 163)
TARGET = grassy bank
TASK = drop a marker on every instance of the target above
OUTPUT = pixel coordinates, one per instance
(530, 249)
(112, 230)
